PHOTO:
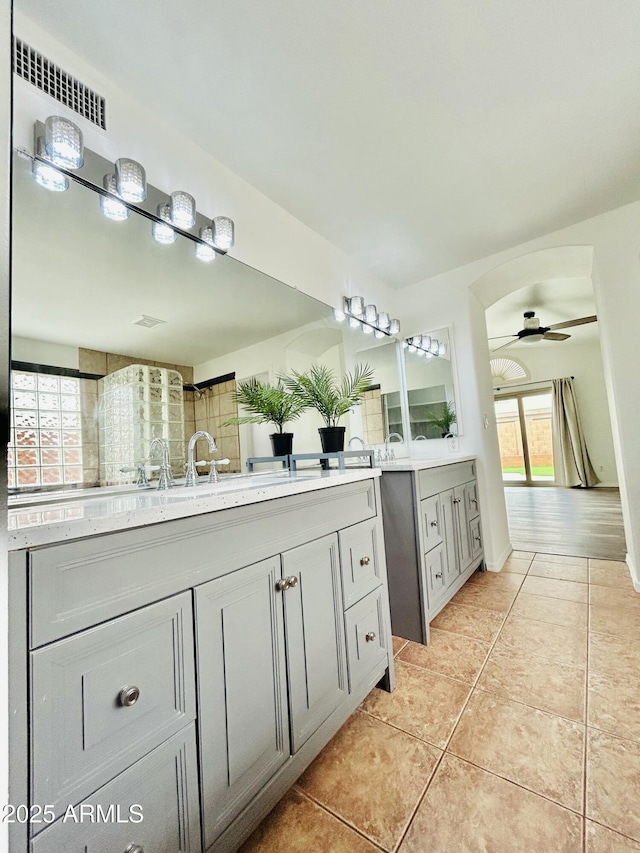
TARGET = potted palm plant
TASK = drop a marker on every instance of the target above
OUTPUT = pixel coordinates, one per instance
(269, 404)
(318, 388)
(444, 419)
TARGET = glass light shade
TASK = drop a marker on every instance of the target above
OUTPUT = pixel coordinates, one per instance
(163, 233)
(394, 327)
(182, 208)
(368, 330)
(46, 175)
(371, 314)
(413, 348)
(434, 346)
(354, 323)
(429, 354)
(223, 232)
(111, 207)
(405, 344)
(338, 315)
(425, 341)
(379, 333)
(383, 320)
(131, 180)
(442, 348)
(356, 306)
(63, 142)
(205, 251)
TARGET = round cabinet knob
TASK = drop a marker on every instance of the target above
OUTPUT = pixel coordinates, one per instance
(282, 584)
(134, 848)
(292, 580)
(370, 637)
(364, 561)
(128, 696)
(438, 575)
(433, 523)
(474, 501)
(456, 500)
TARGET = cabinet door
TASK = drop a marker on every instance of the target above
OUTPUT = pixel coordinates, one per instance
(435, 575)
(471, 499)
(476, 538)
(366, 637)
(448, 518)
(314, 616)
(359, 560)
(431, 524)
(242, 689)
(462, 527)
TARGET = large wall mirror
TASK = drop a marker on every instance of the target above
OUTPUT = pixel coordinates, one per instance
(81, 286)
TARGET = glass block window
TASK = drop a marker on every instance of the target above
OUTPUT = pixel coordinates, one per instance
(45, 447)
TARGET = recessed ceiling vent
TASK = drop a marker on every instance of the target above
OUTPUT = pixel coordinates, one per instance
(52, 80)
(148, 322)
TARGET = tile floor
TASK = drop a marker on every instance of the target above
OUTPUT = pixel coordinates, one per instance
(517, 730)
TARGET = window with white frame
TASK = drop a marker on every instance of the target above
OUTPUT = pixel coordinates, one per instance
(45, 447)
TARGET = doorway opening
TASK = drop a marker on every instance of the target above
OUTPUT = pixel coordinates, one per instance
(525, 436)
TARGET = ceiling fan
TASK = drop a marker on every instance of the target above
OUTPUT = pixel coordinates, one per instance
(533, 331)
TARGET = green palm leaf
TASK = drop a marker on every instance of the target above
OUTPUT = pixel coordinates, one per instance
(319, 389)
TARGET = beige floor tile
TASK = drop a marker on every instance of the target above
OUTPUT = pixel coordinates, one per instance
(372, 776)
(476, 595)
(553, 588)
(516, 565)
(609, 596)
(610, 654)
(469, 621)
(467, 810)
(599, 839)
(614, 705)
(540, 751)
(561, 558)
(398, 644)
(298, 825)
(623, 621)
(448, 654)
(508, 581)
(561, 571)
(424, 704)
(556, 611)
(544, 684)
(613, 782)
(522, 555)
(610, 573)
(555, 642)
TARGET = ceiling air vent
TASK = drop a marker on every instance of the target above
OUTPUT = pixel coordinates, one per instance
(148, 322)
(52, 80)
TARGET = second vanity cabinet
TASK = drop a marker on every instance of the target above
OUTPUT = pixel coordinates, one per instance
(192, 668)
(433, 538)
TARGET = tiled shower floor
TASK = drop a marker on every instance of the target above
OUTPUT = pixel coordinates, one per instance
(517, 730)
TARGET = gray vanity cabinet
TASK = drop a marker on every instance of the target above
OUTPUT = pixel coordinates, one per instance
(434, 540)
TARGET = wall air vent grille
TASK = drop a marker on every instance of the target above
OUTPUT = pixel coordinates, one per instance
(52, 80)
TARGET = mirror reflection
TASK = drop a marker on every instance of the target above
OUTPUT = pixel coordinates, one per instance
(431, 392)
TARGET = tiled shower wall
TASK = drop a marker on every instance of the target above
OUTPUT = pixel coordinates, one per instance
(212, 407)
(372, 417)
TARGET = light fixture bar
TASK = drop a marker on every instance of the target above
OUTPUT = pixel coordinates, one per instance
(367, 318)
(425, 345)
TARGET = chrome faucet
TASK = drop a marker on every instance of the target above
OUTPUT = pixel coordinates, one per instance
(192, 474)
(356, 438)
(165, 480)
(389, 453)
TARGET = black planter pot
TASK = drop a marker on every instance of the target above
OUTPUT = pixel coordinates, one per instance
(332, 438)
(282, 443)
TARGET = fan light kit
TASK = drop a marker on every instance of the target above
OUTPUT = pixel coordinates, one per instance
(534, 332)
(367, 318)
(425, 346)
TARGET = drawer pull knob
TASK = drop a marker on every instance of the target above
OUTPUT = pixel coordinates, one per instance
(456, 500)
(134, 848)
(292, 580)
(370, 637)
(364, 561)
(474, 501)
(438, 575)
(282, 584)
(433, 523)
(129, 696)
(477, 538)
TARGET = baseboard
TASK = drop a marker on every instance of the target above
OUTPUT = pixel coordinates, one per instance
(633, 570)
(496, 565)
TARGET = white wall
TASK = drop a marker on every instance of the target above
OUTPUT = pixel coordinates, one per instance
(44, 352)
(583, 361)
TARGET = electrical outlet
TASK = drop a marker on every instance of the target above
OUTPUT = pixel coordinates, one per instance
(453, 444)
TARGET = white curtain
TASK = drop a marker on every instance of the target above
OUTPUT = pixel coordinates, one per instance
(571, 458)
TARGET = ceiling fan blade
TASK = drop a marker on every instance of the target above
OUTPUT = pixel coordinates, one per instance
(508, 344)
(555, 336)
(497, 337)
(579, 322)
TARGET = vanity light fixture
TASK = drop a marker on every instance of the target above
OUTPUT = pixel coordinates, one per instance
(63, 142)
(205, 250)
(223, 233)
(182, 209)
(163, 233)
(45, 174)
(425, 346)
(366, 317)
(131, 180)
(110, 206)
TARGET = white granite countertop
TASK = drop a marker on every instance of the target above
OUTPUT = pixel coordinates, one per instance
(44, 523)
(422, 464)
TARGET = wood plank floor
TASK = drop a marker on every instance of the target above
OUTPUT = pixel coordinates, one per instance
(580, 522)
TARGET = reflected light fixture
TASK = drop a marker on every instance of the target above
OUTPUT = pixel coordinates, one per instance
(425, 345)
(131, 180)
(163, 233)
(111, 207)
(63, 142)
(205, 250)
(45, 174)
(366, 317)
(223, 233)
(182, 209)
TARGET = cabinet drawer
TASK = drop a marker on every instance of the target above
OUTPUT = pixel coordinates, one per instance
(434, 480)
(366, 641)
(87, 724)
(475, 535)
(435, 576)
(163, 786)
(471, 499)
(360, 561)
(431, 522)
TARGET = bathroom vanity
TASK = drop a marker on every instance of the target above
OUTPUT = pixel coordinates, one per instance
(433, 536)
(179, 658)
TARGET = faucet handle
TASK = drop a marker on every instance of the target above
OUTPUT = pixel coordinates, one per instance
(213, 473)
